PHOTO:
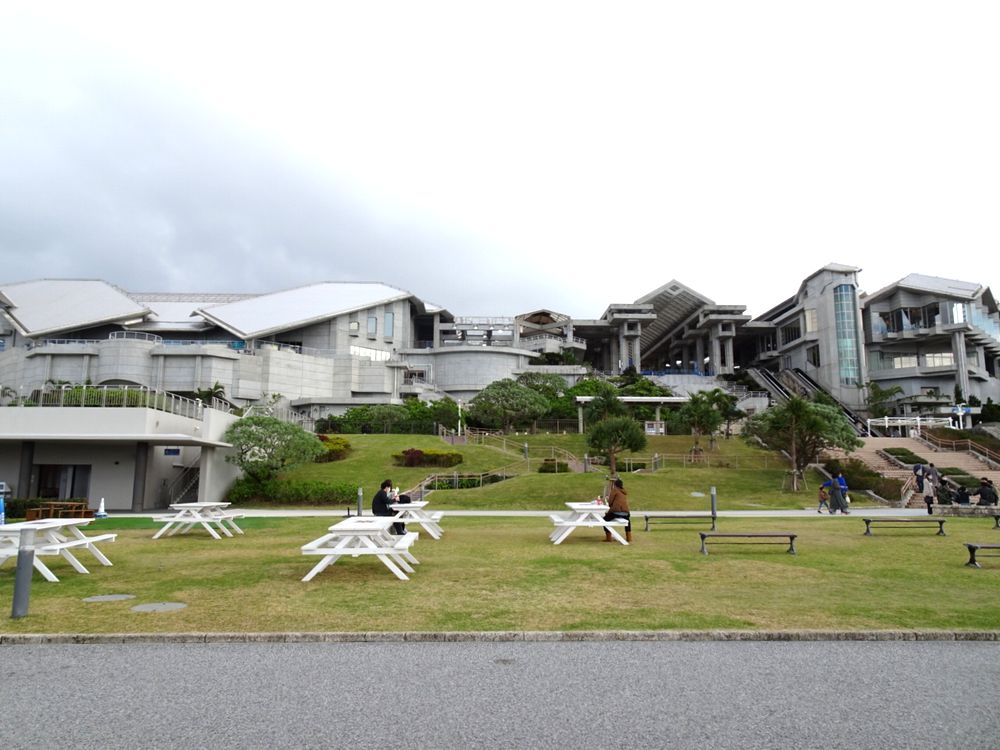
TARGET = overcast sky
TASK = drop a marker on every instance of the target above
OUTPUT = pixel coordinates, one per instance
(496, 158)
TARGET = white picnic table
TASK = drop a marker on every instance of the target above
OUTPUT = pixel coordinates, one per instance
(53, 536)
(209, 515)
(414, 512)
(590, 514)
(364, 535)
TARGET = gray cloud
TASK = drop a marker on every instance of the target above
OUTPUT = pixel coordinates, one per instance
(114, 178)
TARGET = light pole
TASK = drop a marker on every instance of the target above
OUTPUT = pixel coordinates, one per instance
(460, 417)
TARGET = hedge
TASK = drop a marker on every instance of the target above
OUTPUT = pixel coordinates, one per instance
(551, 466)
(417, 457)
(906, 455)
(295, 491)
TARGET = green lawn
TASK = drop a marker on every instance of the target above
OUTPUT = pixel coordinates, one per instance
(499, 574)
(746, 477)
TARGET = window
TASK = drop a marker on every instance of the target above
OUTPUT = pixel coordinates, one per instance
(940, 359)
(353, 327)
(372, 326)
(790, 333)
(387, 325)
(901, 361)
(810, 318)
(375, 355)
(845, 311)
(812, 355)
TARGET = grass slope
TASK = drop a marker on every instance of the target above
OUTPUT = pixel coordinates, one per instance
(746, 477)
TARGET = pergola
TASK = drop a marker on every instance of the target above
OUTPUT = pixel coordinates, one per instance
(658, 400)
(918, 422)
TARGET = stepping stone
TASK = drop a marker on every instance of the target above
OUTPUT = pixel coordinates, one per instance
(109, 598)
(158, 607)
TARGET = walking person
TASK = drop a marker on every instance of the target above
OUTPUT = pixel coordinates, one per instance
(824, 498)
(931, 482)
(836, 497)
(918, 475)
(618, 508)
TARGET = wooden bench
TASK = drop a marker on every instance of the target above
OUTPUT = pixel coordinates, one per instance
(914, 521)
(691, 517)
(755, 535)
(974, 548)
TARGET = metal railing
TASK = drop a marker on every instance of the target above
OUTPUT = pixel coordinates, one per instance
(105, 396)
(981, 452)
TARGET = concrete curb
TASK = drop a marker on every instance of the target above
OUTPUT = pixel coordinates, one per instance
(30, 639)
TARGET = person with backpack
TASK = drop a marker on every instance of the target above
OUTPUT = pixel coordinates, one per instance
(918, 473)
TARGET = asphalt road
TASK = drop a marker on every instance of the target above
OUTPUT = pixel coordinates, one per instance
(502, 695)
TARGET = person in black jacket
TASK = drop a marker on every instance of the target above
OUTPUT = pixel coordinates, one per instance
(380, 505)
(986, 493)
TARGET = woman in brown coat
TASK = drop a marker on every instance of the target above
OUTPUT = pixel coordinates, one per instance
(618, 508)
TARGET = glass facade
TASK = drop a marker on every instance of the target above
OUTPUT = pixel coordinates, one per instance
(846, 316)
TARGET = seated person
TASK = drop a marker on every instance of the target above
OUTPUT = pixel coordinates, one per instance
(962, 496)
(380, 505)
(986, 493)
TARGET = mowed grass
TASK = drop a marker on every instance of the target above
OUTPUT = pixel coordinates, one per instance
(504, 574)
(746, 477)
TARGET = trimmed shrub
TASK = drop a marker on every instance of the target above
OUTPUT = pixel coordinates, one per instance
(552, 466)
(906, 456)
(960, 477)
(416, 457)
(465, 481)
(336, 447)
(298, 492)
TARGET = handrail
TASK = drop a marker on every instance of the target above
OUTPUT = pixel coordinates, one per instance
(969, 447)
(108, 396)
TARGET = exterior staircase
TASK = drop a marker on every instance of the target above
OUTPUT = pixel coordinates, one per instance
(941, 459)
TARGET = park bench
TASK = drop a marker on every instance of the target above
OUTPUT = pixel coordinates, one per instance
(756, 537)
(682, 517)
(974, 548)
(913, 521)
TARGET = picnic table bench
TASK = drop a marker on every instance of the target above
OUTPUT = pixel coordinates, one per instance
(752, 535)
(667, 516)
(357, 536)
(914, 521)
(974, 548)
(585, 515)
(55, 536)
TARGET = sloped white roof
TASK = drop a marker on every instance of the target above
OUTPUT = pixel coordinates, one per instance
(294, 308)
(48, 306)
(176, 311)
(931, 284)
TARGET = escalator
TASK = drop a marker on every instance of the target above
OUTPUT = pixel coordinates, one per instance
(812, 388)
(770, 383)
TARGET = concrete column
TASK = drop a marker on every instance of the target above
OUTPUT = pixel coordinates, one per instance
(728, 343)
(48, 369)
(699, 354)
(197, 372)
(686, 357)
(24, 473)
(206, 471)
(579, 418)
(437, 330)
(637, 350)
(616, 354)
(961, 364)
(716, 354)
(139, 479)
(622, 350)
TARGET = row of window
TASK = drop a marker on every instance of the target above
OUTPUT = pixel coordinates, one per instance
(388, 326)
(885, 361)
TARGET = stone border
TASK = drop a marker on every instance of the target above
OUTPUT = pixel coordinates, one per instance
(27, 639)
